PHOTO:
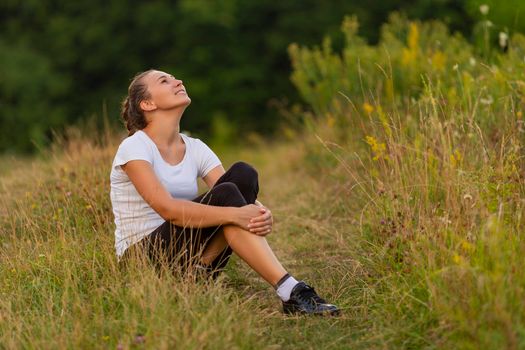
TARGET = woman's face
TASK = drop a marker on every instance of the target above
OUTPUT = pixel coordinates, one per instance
(166, 92)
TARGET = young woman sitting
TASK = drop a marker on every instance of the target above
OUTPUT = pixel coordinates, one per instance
(156, 207)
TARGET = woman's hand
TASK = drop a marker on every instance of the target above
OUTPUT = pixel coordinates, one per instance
(244, 214)
(262, 224)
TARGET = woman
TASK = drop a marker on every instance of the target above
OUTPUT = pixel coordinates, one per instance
(153, 194)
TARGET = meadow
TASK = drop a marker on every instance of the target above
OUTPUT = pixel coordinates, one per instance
(397, 191)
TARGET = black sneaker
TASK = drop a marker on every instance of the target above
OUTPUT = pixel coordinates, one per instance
(304, 300)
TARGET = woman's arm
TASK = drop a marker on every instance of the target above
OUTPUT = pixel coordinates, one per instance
(183, 212)
(213, 175)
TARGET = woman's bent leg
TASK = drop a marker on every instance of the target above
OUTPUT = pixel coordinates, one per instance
(216, 252)
(246, 178)
(251, 248)
(184, 246)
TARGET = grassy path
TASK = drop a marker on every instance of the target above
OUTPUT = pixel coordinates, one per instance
(310, 239)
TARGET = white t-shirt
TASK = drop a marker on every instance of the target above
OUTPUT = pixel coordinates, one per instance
(134, 218)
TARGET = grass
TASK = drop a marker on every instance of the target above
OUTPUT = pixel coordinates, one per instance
(61, 287)
(400, 200)
(406, 274)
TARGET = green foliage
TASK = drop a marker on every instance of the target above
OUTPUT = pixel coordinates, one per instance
(433, 152)
(26, 114)
(65, 61)
(409, 57)
(76, 58)
(223, 131)
(505, 17)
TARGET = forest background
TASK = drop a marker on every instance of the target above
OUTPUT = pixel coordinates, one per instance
(65, 62)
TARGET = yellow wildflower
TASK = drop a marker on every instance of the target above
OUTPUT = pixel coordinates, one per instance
(455, 158)
(384, 121)
(409, 55)
(368, 107)
(413, 36)
(377, 148)
(439, 60)
(330, 120)
(458, 259)
(467, 246)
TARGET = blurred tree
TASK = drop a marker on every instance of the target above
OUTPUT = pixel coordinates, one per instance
(64, 60)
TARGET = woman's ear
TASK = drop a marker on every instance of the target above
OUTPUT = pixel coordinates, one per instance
(147, 105)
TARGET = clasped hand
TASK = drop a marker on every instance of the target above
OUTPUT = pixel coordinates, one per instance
(256, 219)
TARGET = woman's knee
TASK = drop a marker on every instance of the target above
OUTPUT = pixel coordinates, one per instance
(245, 176)
(229, 194)
(244, 169)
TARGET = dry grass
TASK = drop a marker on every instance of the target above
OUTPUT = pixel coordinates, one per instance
(61, 286)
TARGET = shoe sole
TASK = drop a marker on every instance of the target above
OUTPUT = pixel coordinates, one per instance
(294, 312)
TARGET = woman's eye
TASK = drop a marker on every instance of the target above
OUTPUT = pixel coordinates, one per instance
(163, 81)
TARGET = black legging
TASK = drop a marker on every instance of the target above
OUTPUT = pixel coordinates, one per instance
(237, 187)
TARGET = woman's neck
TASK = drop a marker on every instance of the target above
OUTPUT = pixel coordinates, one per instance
(164, 130)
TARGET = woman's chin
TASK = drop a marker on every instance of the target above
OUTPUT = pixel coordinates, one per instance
(185, 100)
(181, 103)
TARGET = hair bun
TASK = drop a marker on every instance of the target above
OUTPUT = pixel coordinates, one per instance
(130, 111)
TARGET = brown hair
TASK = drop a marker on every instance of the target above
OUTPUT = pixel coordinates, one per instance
(130, 111)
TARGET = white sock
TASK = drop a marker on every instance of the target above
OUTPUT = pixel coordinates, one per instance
(285, 288)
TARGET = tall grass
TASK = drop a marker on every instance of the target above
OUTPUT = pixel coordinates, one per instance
(428, 138)
(61, 285)
(62, 288)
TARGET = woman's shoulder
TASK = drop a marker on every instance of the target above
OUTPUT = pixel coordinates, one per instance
(133, 147)
(194, 141)
(134, 139)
